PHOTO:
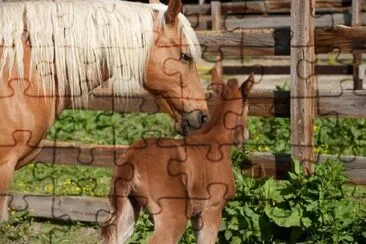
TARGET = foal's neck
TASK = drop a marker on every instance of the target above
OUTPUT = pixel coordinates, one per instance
(218, 128)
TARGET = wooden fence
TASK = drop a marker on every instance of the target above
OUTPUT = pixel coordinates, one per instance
(306, 37)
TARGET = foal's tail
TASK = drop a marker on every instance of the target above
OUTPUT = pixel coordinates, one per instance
(123, 211)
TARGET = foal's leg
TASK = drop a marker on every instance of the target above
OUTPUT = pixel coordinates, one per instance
(207, 225)
(170, 223)
(120, 226)
(6, 175)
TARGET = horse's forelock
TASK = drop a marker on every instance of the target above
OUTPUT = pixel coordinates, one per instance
(186, 28)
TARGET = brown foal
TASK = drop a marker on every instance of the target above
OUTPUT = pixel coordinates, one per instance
(178, 180)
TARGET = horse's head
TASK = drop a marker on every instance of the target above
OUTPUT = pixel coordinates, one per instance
(171, 74)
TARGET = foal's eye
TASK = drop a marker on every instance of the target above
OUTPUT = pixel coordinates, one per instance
(186, 58)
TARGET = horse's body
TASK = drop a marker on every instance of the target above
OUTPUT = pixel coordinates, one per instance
(180, 179)
(52, 52)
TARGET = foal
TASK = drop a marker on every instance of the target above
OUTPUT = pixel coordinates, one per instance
(178, 180)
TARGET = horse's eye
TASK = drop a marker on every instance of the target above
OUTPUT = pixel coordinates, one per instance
(186, 58)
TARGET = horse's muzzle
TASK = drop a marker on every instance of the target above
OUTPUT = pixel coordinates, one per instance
(193, 120)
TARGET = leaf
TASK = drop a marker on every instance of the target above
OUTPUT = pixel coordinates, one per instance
(233, 224)
(228, 235)
(271, 191)
(230, 211)
(297, 167)
(312, 206)
(284, 217)
(306, 222)
(236, 240)
(253, 219)
(347, 238)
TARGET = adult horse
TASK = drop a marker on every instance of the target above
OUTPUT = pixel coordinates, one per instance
(52, 52)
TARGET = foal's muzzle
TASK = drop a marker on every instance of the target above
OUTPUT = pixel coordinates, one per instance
(193, 120)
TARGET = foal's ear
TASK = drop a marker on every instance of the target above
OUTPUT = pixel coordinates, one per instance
(216, 80)
(174, 8)
(247, 86)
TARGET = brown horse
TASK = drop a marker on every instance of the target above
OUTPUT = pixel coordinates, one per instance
(52, 52)
(181, 179)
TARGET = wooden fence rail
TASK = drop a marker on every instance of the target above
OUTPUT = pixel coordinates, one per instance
(258, 165)
(234, 22)
(270, 7)
(265, 103)
(74, 208)
(270, 41)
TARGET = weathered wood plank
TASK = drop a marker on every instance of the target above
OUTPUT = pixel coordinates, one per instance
(216, 26)
(343, 38)
(259, 42)
(277, 165)
(270, 7)
(216, 15)
(230, 23)
(265, 103)
(75, 208)
(346, 103)
(269, 42)
(70, 153)
(258, 165)
(302, 82)
(262, 102)
(356, 21)
(356, 12)
(235, 22)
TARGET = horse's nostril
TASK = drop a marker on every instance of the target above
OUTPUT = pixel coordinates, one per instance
(185, 128)
(204, 118)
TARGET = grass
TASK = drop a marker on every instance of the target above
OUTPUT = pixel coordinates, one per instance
(24, 229)
(62, 180)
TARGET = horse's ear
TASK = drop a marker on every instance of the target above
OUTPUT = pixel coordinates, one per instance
(174, 8)
(247, 85)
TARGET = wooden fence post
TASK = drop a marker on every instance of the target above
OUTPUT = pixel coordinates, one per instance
(216, 26)
(357, 82)
(302, 82)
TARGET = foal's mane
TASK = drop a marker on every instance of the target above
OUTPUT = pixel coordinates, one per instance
(72, 40)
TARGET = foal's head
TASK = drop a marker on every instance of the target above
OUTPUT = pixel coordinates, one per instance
(171, 73)
(231, 110)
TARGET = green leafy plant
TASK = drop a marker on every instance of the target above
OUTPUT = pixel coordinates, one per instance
(301, 209)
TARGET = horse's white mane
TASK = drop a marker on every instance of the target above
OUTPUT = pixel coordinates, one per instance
(73, 39)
